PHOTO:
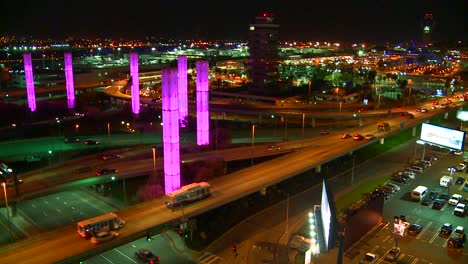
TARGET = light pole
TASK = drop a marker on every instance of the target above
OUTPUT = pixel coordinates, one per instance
(303, 123)
(253, 142)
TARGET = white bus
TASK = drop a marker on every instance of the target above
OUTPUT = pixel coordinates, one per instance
(107, 222)
(188, 193)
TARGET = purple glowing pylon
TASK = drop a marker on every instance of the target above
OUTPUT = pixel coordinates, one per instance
(28, 73)
(170, 112)
(182, 85)
(69, 79)
(135, 82)
(203, 114)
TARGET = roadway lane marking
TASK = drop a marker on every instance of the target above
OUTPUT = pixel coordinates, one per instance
(386, 238)
(124, 255)
(434, 237)
(444, 207)
(400, 257)
(108, 260)
(44, 213)
(33, 205)
(58, 210)
(415, 261)
(424, 230)
(445, 243)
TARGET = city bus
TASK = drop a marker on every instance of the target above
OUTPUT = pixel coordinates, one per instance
(106, 222)
(188, 193)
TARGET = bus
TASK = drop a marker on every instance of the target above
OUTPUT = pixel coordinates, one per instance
(188, 193)
(106, 222)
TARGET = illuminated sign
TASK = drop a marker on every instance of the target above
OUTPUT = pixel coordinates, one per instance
(326, 214)
(443, 136)
(462, 115)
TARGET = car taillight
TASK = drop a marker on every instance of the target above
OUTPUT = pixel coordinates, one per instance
(151, 262)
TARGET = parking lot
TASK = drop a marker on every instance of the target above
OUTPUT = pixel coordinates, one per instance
(427, 246)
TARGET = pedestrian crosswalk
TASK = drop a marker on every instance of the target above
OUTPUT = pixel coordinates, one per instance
(208, 258)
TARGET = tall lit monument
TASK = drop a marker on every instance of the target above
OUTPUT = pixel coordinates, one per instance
(28, 73)
(135, 82)
(170, 112)
(69, 79)
(182, 84)
(427, 25)
(203, 114)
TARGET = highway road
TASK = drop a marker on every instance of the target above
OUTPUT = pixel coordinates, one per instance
(226, 189)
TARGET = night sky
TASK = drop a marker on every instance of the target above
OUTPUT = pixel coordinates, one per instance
(343, 20)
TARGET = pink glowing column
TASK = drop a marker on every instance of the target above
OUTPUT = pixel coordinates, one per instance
(28, 73)
(170, 112)
(69, 79)
(203, 114)
(135, 82)
(182, 84)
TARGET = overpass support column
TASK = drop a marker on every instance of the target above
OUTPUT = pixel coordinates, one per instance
(312, 122)
(223, 115)
(413, 132)
(361, 123)
(318, 169)
(382, 141)
(446, 115)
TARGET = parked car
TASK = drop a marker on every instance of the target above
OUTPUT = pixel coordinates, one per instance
(460, 180)
(147, 256)
(461, 167)
(395, 186)
(457, 152)
(427, 201)
(106, 171)
(370, 258)
(455, 199)
(433, 195)
(460, 209)
(370, 137)
(414, 229)
(323, 133)
(443, 196)
(273, 147)
(446, 230)
(438, 204)
(465, 187)
(104, 236)
(455, 242)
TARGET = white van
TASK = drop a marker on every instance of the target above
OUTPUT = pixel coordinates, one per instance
(419, 193)
(446, 181)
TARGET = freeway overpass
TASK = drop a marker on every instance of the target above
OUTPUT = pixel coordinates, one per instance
(153, 214)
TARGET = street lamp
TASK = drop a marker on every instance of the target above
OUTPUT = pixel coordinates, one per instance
(154, 160)
(76, 128)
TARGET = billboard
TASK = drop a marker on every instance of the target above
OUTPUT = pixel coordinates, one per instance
(443, 136)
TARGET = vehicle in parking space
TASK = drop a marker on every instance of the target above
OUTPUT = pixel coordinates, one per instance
(399, 179)
(109, 156)
(416, 169)
(433, 195)
(370, 258)
(460, 232)
(147, 256)
(446, 230)
(460, 180)
(393, 254)
(388, 189)
(427, 201)
(443, 196)
(410, 174)
(438, 204)
(423, 110)
(419, 193)
(461, 167)
(414, 229)
(455, 199)
(455, 242)
(104, 236)
(370, 137)
(407, 114)
(358, 137)
(323, 132)
(395, 186)
(445, 181)
(106, 171)
(91, 142)
(465, 187)
(460, 209)
(457, 152)
(431, 157)
(426, 163)
(346, 135)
